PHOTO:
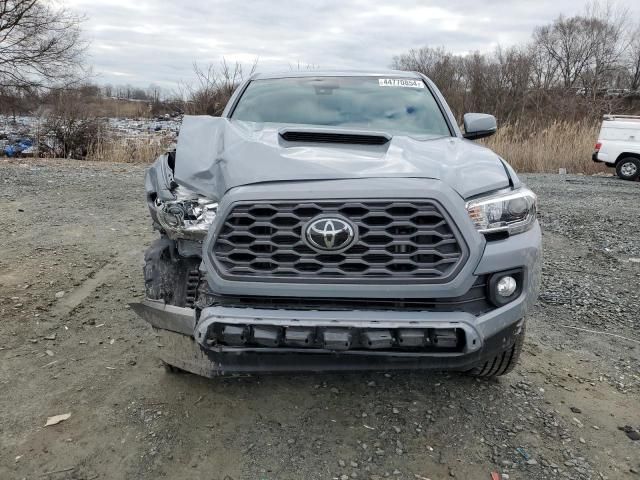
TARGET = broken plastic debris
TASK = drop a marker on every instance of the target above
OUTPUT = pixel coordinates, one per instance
(57, 419)
(522, 452)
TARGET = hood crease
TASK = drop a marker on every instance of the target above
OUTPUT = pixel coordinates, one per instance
(216, 154)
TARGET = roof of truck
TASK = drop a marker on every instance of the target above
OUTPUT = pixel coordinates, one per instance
(622, 118)
(631, 122)
(383, 73)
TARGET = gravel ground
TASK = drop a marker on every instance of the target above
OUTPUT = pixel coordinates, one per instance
(73, 237)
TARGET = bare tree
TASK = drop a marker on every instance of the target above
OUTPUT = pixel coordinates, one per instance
(544, 68)
(609, 30)
(40, 44)
(444, 68)
(16, 101)
(476, 82)
(154, 93)
(300, 67)
(441, 66)
(107, 90)
(71, 122)
(508, 86)
(570, 44)
(581, 51)
(214, 86)
(633, 60)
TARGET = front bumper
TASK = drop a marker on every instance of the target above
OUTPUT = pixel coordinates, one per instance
(190, 338)
(189, 342)
(185, 353)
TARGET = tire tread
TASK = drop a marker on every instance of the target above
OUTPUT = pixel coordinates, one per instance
(502, 363)
(623, 160)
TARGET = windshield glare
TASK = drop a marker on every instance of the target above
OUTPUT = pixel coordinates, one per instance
(396, 106)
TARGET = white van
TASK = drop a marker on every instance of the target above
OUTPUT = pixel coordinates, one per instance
(619, 145)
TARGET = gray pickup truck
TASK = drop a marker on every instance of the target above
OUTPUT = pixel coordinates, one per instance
(333, 221)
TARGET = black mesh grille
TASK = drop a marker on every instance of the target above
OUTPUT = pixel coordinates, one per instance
(397, 240)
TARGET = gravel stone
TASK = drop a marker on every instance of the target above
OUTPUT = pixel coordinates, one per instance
(444, 421)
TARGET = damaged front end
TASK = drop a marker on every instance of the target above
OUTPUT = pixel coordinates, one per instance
(172, 273)
(210, 335)
(177, 212)
(234, 283)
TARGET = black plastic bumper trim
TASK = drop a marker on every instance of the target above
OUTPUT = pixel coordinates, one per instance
(229, 360)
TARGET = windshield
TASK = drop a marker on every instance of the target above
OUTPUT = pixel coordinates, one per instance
(393, 105)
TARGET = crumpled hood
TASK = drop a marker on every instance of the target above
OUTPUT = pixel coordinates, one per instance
(215, 154)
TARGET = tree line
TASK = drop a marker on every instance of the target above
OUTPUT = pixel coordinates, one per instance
(572, 68)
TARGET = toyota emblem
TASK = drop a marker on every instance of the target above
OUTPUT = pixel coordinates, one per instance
(329, 234)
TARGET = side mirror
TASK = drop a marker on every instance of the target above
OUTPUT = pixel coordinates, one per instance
(479, 125)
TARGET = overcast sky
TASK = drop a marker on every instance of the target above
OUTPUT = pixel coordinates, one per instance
(156, 41)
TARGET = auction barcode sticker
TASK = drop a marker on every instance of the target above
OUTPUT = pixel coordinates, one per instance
(400, 82)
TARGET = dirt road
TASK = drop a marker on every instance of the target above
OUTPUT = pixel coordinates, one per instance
(72, 241)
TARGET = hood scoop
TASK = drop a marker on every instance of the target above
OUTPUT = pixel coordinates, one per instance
(328, 135)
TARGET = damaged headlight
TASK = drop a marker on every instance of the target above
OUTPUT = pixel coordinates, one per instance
(512, 212)
(189, 216)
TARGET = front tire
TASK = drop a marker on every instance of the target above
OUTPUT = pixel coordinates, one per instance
(628, 168)
(502, 363)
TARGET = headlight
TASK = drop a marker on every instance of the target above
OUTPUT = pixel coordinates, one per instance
(189, 216)
(512, 212)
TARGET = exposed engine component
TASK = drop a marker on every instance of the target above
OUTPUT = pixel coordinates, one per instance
(189, 216)
(176, 281)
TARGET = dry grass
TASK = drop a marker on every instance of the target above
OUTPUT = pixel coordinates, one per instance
(139, 149)
(546, 148)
